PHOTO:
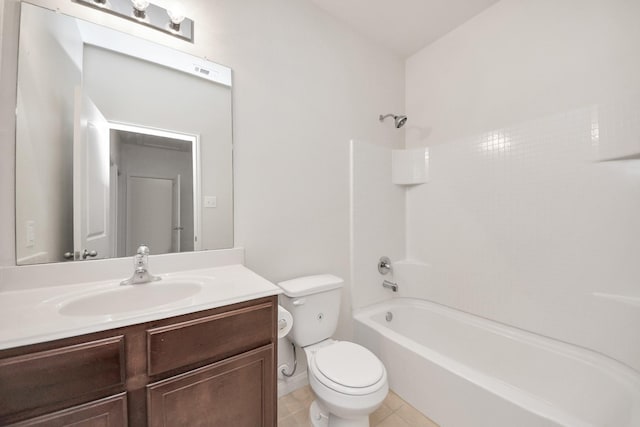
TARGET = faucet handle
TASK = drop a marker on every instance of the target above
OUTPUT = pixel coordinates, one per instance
(384, 265)
(141, 257)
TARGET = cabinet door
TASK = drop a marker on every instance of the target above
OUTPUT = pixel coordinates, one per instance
(238, 392)
(209, 339)
(45, 381)
(108, 412)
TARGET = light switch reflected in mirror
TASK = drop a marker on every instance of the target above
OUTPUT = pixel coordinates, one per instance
(117, 139)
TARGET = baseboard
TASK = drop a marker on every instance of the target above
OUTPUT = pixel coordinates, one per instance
(293, 383)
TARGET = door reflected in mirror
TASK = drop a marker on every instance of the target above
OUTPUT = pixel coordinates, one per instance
(154, 191)
(119, 141)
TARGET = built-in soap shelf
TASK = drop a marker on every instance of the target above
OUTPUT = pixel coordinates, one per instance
(610, 158)
(624, 147)
(410, 166)
(615, 131)
(624, 299)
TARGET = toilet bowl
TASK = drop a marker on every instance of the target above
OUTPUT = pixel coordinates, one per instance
(348, 380)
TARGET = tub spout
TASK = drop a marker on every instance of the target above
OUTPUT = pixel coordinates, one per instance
(390, 285)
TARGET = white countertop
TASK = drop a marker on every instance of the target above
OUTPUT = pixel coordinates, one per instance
(33, 315)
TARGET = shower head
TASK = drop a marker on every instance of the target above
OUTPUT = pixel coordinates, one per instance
(398, 120)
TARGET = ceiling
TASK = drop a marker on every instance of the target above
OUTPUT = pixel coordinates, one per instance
(404, 26)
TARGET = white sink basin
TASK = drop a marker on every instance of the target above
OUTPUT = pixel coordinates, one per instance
(130, 298)
(53, 311)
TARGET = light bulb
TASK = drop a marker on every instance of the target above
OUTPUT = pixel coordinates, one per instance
(176, 16)
(140, 5)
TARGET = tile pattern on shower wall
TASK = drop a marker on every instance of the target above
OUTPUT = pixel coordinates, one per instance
(377, 221)
(522, 225)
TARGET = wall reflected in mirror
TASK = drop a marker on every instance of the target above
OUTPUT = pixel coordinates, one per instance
(119, 142)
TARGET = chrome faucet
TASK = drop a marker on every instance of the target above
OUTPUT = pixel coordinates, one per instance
(141, 268)
(390, 285)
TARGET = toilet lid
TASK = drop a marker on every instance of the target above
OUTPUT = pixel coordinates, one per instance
(349, 364)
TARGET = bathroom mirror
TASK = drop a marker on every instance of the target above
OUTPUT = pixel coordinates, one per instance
(119, 142)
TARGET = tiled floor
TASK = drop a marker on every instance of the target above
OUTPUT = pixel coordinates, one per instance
(293, 411)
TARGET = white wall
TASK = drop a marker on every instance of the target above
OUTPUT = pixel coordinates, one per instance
(304, 86)
(50, 69)
(9, 24)
(518, 223)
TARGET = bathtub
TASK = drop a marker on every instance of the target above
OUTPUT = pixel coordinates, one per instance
(462, 370)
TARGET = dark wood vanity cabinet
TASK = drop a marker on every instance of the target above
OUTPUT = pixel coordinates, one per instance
(212, 368)
(230, 393)
(107, 412)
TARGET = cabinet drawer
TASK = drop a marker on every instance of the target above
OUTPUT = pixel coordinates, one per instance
(238, 392)
(210, 338)
(108, 412)
(44, 379)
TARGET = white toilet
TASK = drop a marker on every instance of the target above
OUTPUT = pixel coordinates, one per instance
(349, 381)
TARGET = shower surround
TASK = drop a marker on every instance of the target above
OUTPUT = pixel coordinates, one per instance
(531, 215)
(522, 221)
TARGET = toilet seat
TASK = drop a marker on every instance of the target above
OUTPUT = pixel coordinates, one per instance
(348, 368)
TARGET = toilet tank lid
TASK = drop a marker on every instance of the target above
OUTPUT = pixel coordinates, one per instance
(309, 285)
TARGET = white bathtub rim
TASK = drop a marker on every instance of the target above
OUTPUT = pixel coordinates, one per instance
(518, 396)
(506, 391)
(615, 368)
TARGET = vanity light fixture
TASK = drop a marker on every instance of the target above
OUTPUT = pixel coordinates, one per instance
(171, 21)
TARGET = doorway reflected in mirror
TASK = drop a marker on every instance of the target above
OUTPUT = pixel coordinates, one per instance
(153, 191)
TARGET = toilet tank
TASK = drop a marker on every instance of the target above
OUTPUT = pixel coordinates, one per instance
(314, 304)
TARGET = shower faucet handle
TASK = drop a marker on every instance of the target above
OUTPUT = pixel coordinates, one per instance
(384, 265)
